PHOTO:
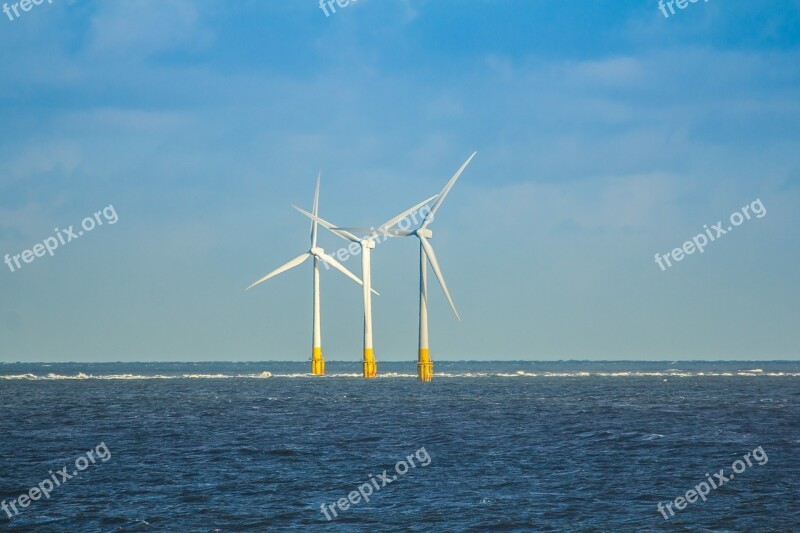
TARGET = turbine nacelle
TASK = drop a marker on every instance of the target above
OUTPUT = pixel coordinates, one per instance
(316, 251)
(423, 232)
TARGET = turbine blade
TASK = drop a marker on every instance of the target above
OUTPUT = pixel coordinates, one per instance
(436, 270)
(291, 264)
(443, 194)
(379, 231)
(315, 210)
(327, 225)
(357, 229)
(392, 221)
(316, 194)
(399, 232)
(341, 268)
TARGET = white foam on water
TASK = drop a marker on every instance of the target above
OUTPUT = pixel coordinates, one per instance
(120, 377)
(393, 375)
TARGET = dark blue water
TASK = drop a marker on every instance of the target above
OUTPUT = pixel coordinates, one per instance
(514, 446)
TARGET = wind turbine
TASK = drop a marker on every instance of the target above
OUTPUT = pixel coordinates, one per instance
(370, 366)
(426, 254)
(317, 361)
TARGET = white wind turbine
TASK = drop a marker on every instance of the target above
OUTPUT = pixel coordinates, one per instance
(370, 366)
(317, 361)
(426, 254)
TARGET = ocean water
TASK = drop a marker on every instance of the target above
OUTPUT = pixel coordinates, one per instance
(496, 446)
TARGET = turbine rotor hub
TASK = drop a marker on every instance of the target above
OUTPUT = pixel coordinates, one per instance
(424, 232)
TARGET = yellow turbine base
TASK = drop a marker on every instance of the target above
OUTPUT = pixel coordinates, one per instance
(317, 362)
(425, 365)
(370, 366)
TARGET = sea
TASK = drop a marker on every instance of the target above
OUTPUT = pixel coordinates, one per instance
(583, 446)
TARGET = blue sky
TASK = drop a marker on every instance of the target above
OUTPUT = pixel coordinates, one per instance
(605, 133)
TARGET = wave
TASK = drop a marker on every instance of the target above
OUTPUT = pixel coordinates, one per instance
(393, 375)
(81, 375)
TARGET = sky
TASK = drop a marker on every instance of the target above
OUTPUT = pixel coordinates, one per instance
(605, 133)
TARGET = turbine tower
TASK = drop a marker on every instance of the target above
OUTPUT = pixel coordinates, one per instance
(370, 366)
(317, 361)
